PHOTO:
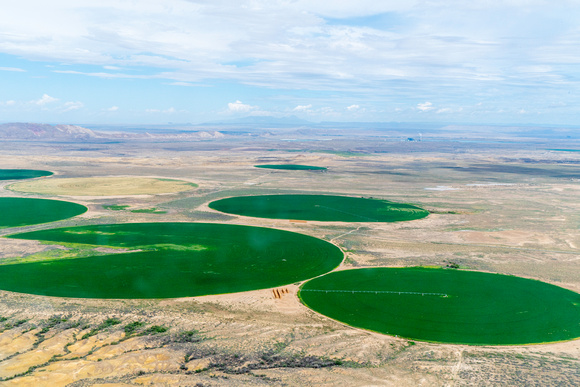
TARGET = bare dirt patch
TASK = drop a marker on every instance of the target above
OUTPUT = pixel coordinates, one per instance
(102, 186)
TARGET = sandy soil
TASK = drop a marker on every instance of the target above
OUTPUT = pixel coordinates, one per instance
(101, 186)
(514, 210)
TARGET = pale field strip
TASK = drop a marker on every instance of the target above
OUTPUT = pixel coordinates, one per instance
(498, 246)
(375, 292)
(103, 186)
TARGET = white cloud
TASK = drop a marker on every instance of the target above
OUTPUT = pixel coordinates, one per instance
(170, 110)
(182, 84)
(46, 103)
(239, 107)
(14, 69)
(449, 110)
(192, 41)
(263, 113)
(70, 106)
(328, 111)
(106, 75)
(113, 109)
(453, 49)
(558, 104)
(301, 108)
(44, 100)
(425, 106)
(345, 9)
(353, 108)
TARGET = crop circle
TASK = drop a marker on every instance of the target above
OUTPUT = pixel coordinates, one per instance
(172, 260)
(291, 167)
(102, 186)
(18, 212)
(326, 208)
(20, 174)
(445, 305)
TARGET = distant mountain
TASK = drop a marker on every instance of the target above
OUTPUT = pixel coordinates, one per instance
(531, 131)
(45, 132)
(29, 131)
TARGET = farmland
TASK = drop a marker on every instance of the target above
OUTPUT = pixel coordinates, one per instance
(102, 186)
(291, 167)
(325, 208)
(20, 174)
(505, 207)
(17, 212)
(171, 260)
(449, 306)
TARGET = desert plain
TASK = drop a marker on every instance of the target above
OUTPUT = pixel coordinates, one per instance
(508, 205)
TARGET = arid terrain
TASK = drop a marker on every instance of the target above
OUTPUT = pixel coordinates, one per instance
(508, 206)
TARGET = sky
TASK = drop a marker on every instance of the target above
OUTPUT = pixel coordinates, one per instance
(188, 61)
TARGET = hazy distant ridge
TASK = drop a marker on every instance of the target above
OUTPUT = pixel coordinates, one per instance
(28, 131)
(32, 131)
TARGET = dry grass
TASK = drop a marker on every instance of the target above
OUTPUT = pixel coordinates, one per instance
(102, 186)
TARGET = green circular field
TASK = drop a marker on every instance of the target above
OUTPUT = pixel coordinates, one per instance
(19, 174)
(291, 167)
(17, 212)
(449, 306)
(175, 260)
(326, 208)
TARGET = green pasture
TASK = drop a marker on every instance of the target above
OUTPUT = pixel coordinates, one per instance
(19, 174)
(115, 207)
(17, 212)
(149, 211)
(445, 305)
(173, 260)
(326, 208)
(291, 167)
(119, 207)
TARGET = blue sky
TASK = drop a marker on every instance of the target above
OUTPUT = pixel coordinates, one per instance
(159, 61)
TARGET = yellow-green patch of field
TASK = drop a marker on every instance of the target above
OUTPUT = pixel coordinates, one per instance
(65, 251)
(103, 186)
